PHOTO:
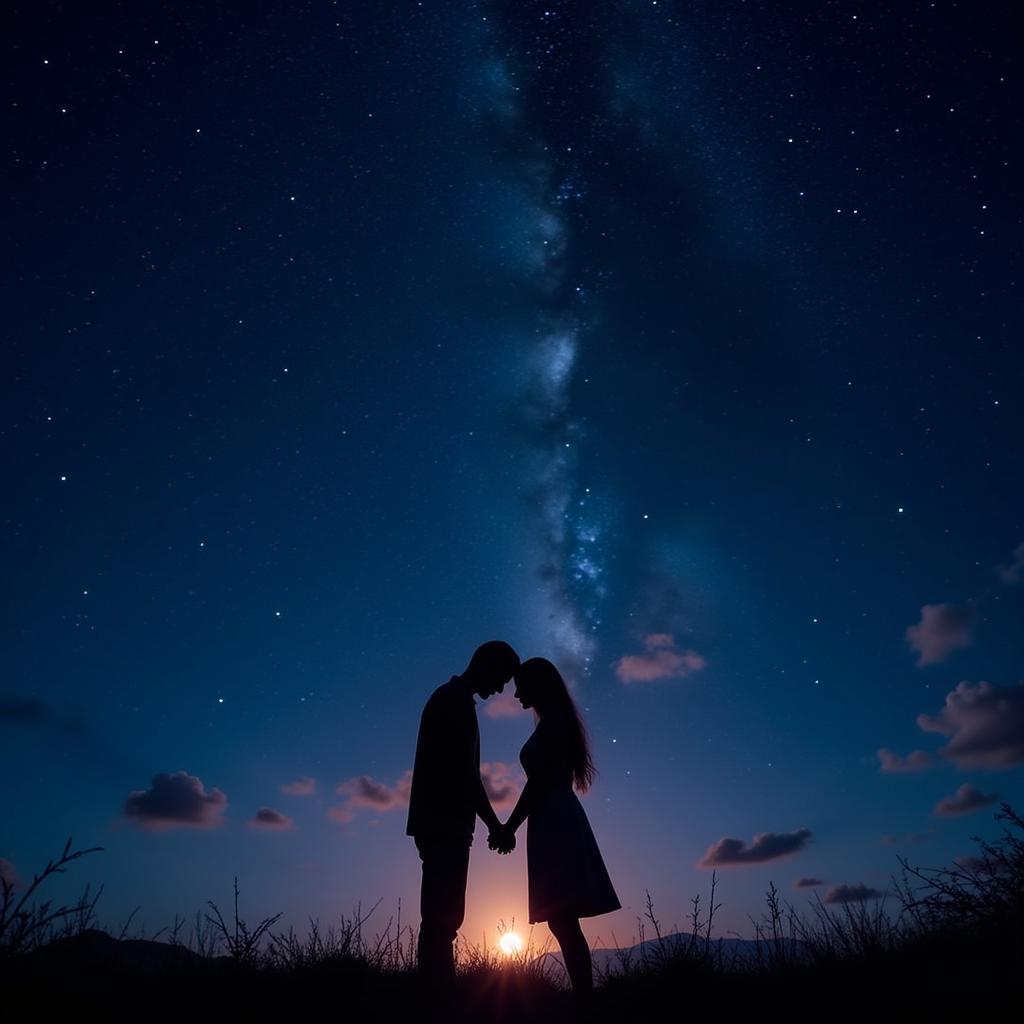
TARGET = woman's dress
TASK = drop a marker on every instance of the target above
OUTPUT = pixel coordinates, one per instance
(566, 875)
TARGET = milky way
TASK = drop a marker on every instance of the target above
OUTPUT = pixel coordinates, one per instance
(547, 155)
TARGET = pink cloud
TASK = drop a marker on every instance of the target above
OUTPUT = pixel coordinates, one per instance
(943, 629)
(174, 800)
(984, 723)
(502, 783)
(894, 764)
(365, 792)
(503, 705)
(765, 847)
(659, 640)
(269, 819)
(965, 800)
(661, 660)
(907, 838)
(1014, 572)
(808, 883)
(852, 894)
(302, 786)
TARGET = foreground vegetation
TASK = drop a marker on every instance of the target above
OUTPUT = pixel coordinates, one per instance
(954, 944)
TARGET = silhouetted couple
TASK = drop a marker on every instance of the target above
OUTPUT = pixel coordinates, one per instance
(566, 876)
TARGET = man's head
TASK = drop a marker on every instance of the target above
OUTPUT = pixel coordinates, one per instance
(491, 667)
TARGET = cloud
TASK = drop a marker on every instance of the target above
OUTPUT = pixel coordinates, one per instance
(852, 894)
(24, 709)
(365, 792)
(503, 705)
(65, 730)
(302, 786)
(971, 863)
(661, 660)
(989, 866)
(1014, 572)
(965, 800)
(34, 713)
(943, 629)
(907, 838)
(894, 764)
(175, 800)
(765, 847)
(656, 640)
(8, 874)
(808, 883)
(268, 818)
(984, 723)
(502, 783)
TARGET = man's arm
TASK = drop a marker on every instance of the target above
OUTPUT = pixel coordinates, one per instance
(503, 839)
(481, 801)
(482, 805)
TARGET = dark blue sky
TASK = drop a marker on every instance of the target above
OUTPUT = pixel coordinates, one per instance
(678, 343)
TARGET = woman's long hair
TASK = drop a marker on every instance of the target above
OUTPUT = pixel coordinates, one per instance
(553, 698)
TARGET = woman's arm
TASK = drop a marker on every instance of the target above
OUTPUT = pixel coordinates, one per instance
(542, 777)
(521, 811)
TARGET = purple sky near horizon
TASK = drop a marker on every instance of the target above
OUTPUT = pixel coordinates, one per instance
(675, 343)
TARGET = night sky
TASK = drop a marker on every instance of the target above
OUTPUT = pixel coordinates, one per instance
(675, 342)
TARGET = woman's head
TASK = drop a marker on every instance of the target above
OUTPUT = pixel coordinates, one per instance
(539, 685)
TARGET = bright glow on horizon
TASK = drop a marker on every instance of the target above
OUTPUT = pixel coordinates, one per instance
(510, 943)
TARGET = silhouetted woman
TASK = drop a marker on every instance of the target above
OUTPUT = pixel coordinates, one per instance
(567, 877)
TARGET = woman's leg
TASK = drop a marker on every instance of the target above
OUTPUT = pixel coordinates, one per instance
(575, 953)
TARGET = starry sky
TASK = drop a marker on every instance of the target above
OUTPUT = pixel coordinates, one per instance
(675, 342)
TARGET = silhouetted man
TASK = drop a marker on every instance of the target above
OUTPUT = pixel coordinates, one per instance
(446, 796)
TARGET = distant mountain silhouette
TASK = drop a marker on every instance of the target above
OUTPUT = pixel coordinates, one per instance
(732, 953)
(93, 950)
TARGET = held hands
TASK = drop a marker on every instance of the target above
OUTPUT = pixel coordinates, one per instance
(501, 839)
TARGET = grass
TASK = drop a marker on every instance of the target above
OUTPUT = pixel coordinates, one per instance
(27, 923)
(945, 941)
